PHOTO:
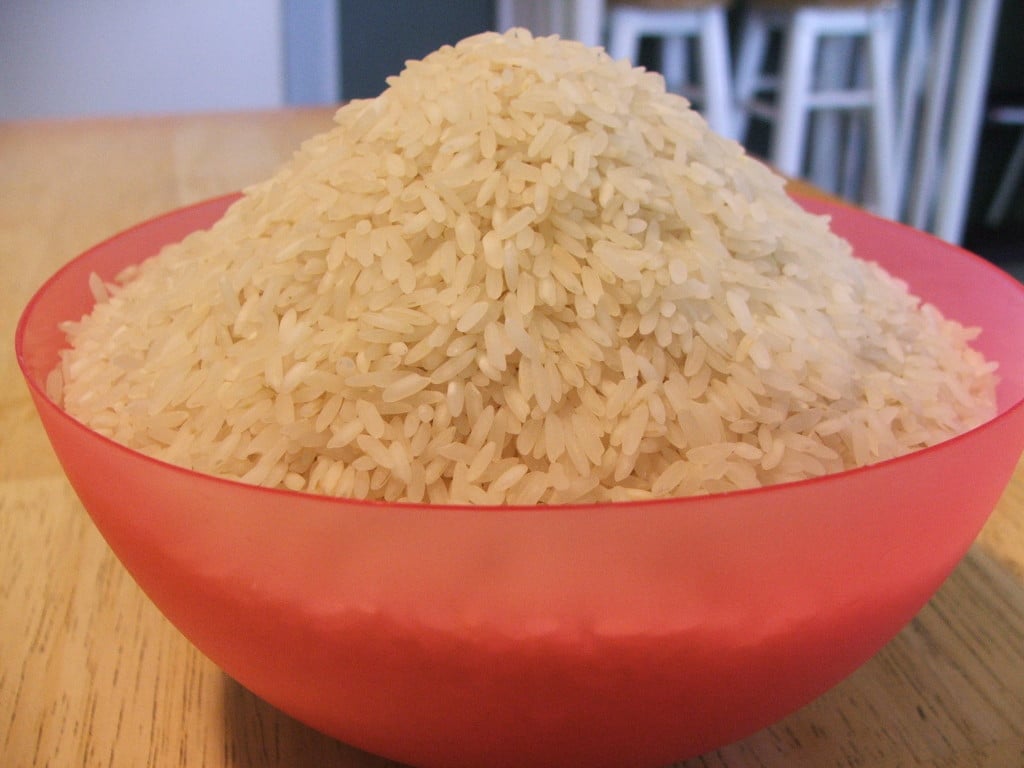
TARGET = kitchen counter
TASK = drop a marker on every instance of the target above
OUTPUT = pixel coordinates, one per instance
(91, 674)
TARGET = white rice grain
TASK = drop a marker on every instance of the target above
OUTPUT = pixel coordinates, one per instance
(523, 274)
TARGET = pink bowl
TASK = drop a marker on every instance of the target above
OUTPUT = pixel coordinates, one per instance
(614, 634)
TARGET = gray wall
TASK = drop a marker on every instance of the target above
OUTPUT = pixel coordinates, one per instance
(64, 58)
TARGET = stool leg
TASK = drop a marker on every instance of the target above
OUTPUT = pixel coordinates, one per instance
(674, 63)
(1008, 184)
(912, 80)
(505, 14)
(966, 113)
(881, 47)
(623, 36)
(715, 69)
(791, 127)
(587, 19)
(753, 44)
(855, 176)
(827, 124)
(926, 168)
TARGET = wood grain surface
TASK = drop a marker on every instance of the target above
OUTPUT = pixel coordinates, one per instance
(91, 674)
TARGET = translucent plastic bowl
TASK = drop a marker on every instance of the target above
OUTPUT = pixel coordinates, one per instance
(615, 634)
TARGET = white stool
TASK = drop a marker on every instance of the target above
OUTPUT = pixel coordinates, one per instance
(804, 26)
(675, 23)
(1000, 206)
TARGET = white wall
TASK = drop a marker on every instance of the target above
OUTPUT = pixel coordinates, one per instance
(61, 58)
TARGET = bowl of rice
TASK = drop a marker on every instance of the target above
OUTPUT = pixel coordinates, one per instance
(521, 420)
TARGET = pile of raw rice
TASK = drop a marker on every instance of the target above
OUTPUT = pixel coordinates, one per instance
(523, 274)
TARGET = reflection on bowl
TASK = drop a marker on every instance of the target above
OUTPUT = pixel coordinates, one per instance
(627, 633)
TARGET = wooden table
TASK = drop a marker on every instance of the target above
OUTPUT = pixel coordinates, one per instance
(92, 675)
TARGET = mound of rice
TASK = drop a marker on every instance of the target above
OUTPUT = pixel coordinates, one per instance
(523, 274)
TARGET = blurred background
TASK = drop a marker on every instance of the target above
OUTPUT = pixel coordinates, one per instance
(98, 58)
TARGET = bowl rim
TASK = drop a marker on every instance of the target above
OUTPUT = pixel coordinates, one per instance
(822, 206)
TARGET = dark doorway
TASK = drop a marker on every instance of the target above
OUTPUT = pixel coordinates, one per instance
(379, 36)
